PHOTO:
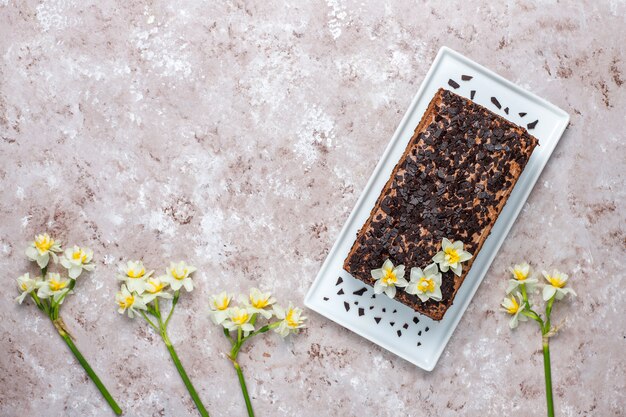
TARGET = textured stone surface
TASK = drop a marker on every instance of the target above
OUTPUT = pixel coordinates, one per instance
(238, 136)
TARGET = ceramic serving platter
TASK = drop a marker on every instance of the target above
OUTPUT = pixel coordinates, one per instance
(386, 322)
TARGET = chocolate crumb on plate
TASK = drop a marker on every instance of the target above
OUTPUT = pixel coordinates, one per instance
(361, 311)
(522, 114)
(392, 323)
(496, 102)
(506, 110)
(532, 124)
(453, 83)
(399, 333)
(472, 94)
(340, 292)
(360, 292)
(325, 298)
(416, 320)
(346, 305)
(339, 281)
(405, 325)
(466, 77)
(419, 343)
(377, 319)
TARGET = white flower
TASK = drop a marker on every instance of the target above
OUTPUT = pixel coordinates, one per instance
(556, 288)
(179, 274)
(514, 305)
(134, 275)
(219, 307)
(291, 320)
(26, 285)
(238, 318)
(451, 255)
(155, 288)
(41, 249)
(388, 278)
(257, 302)
(129, 301)
(54, 286)
(76, 259)
(520, 276)
(425, 284)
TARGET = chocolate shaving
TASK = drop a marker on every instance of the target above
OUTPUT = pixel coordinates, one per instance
(453, 83)
(532, 124)
(360, 292)
(496, 102)
(466, 77)
(346, 305)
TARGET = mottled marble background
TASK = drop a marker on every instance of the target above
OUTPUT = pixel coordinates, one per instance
(238, 136)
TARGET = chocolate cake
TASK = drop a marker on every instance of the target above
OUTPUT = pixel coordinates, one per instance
(452, 181)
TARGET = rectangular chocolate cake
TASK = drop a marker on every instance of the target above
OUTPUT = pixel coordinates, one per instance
(452, 181)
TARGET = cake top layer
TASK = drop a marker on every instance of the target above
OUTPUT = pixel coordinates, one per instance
(452, 181)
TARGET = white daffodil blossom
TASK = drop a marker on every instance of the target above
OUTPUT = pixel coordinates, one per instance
(26, 285)
(556, 287)
(238, 318)
(154, 288)
(179, 275)
(291, 319)
(514, 305)
(521, 275)
(76, 259)
(42, 248)
(425, 284)
(219, 306)
(257, 302)
(129, 301)
(134, 274)
(388, 278)
(54, 286)
(451, 256)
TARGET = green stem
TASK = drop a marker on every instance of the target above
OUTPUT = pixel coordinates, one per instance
(546, 327)
(105, 393)
(244, 389)
(548, 376)
(174, 302)
(145, 316)
(183, 374)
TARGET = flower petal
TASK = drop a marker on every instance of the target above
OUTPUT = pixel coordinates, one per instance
(548, 292)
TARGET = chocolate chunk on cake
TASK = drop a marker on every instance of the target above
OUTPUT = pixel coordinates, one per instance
(452, 181)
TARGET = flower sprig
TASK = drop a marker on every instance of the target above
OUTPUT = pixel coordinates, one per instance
(139, 295)
(520, 307)
(425, 283)
(49, 289)
(241, 323)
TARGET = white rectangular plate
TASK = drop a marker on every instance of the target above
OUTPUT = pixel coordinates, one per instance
(388, 322)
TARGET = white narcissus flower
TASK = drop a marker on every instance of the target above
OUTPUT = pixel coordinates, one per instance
(26, 285)
(257, 302)
(219, 307)
(291, 320)
(155, 287)
(239, 318)
(556, 288)
(129, 301)
(41, 249)
(451, 256)
(76, 259)
(179, 275)
(388, 278)
(134, 275)
(521, 274)
(425, 284)
(514, 305)
(54, 286)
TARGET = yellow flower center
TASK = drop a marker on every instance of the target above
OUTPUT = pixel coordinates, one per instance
(290, 320)
(426, 284)
(79, 255)
(389, 277)
(132, 273)
(512, 309)
(154, 286)
(452, 255)
(44, 243)
(178, 276)
(259, 302)
(127, 302)
(555, 281)
(241, 317)
(23, 286)
(222, 304)
(519, 275)
(57, 285)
